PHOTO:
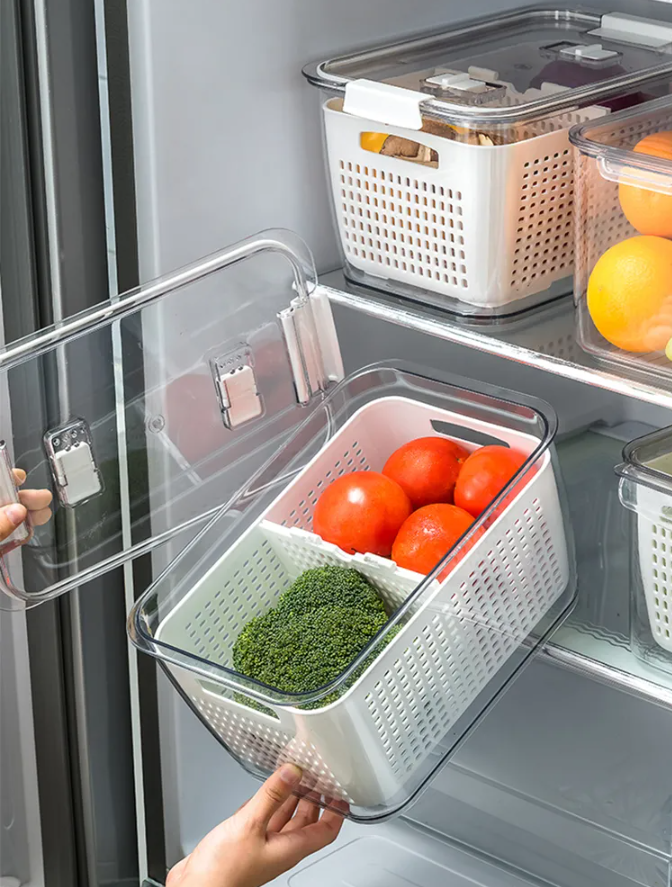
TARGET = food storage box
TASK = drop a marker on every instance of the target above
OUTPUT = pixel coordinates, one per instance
(623, 281)
(203, 448)
(448, 158)
(645, 488)
(453, 639)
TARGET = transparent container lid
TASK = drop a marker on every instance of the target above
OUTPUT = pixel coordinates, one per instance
(141, 414)
(518, 66)
(193, 647)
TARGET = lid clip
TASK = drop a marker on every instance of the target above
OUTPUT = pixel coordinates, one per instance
(593, 53)
(471, 86)
(70, 453)
(236, 387)
(312, 345)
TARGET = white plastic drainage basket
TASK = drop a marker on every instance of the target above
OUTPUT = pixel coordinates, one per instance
(489, 226)
(646, 489)
(458, 634)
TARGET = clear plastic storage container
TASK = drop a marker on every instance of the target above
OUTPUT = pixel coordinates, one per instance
(623, 233)
(374, 734)
(212, 412)
(646, 489)
(448, 156)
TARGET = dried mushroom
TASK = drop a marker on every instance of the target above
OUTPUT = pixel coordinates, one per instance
(397, 146)
(461, 133)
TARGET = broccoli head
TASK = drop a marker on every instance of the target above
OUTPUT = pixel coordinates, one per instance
(330, 586)
(320, 625)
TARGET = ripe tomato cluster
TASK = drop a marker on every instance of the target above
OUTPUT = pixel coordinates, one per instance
(427, 496)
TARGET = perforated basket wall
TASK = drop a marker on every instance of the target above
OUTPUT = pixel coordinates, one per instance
(489, 226)
(365, 746)
(654, 543)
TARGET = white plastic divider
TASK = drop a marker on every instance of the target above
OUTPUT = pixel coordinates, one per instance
(366, 745)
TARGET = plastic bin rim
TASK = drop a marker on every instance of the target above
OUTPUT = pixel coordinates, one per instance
(635, 469)
(579, 136)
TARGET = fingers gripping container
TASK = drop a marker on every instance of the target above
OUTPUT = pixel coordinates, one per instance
(623, 195)
(465, 629)
(645, 488)
(448, 157)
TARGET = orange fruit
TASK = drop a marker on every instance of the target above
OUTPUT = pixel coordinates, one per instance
(630, 294)
(372, 141)
(426, 469)
(649, 212)
(428, 535)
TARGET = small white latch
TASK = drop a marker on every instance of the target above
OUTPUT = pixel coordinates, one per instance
(619, 27)
(476, 86)
(71, 457)
(457, 82)
(236, 387)
(592, 53)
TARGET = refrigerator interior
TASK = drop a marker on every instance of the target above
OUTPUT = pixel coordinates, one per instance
(566, 781)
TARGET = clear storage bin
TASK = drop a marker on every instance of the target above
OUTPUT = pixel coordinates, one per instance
(623, 279)
(454, 638)
(645, 488)
(448, 159)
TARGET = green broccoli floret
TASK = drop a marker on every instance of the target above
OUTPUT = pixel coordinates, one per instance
(320, 625)
(299, 652)
(330, 586)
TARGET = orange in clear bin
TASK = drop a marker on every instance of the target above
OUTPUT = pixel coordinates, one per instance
(630, 294)
(649, 211)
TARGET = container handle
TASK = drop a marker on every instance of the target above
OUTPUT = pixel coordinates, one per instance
(450, 429)
(656, 177)
(384, 103)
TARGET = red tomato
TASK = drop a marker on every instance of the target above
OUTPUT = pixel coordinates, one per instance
(426, 469)
(428, 535)
(485, 474)
(361, 512)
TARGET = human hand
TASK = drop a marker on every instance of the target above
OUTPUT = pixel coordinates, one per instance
(268, 836)
(33, 503)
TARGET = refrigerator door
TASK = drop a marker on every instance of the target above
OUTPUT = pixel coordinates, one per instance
(199, 397)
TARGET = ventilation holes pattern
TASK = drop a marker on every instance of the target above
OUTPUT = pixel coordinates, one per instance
(433, 682)
(248, 590)
(403, 224)
(544, 234)
(661, 593)
(264, 746)
(352, 459)
(563, 347)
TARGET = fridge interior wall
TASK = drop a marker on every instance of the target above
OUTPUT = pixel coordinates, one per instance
(227, 142)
